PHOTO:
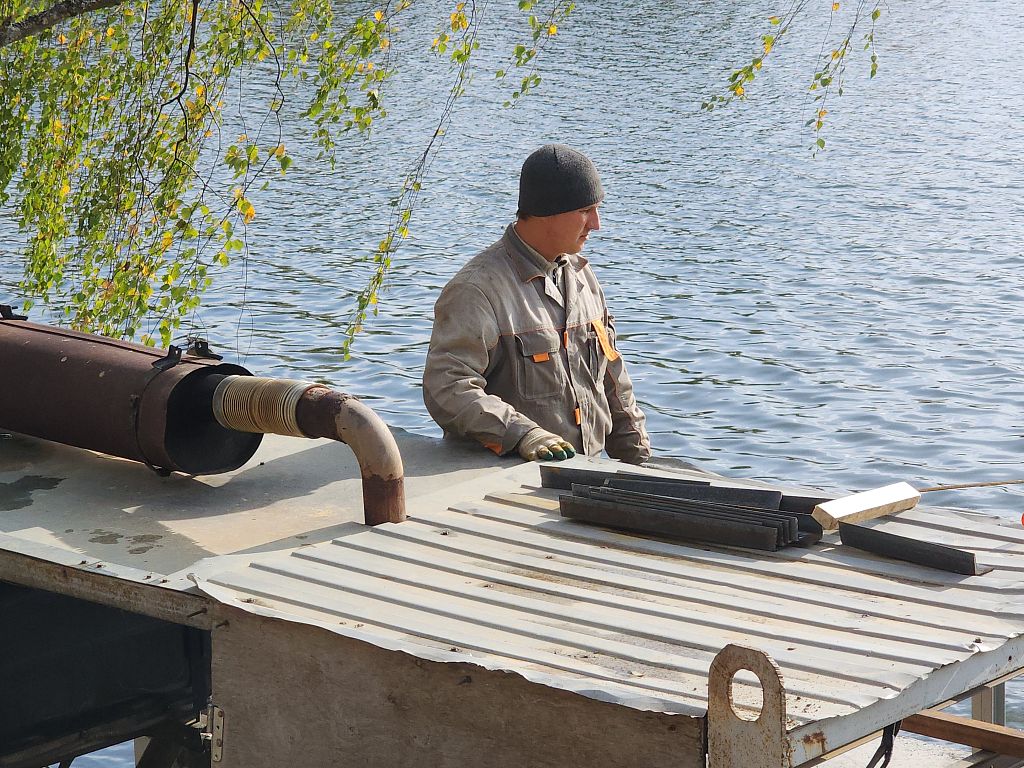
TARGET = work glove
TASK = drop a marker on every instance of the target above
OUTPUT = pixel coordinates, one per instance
(540, 445)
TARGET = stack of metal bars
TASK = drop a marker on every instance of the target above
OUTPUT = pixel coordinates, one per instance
(738, 517)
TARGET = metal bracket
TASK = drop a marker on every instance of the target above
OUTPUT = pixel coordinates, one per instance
(171, 359)
(7, 313)
(198, 347)
(734, 740)
(213, 733)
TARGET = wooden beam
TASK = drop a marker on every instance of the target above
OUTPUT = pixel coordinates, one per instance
(964, 730)
(866, 505)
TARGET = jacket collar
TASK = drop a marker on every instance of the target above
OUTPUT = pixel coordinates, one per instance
(529, 264)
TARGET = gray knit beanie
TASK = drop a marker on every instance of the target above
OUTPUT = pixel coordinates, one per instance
(556, 179)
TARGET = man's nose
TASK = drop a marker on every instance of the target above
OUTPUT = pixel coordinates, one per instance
(594, 220)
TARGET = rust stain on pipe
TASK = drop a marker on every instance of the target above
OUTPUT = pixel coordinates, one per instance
(322, 412)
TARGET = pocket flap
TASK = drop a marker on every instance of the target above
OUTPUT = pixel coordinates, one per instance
(602, 338)
(542, 343)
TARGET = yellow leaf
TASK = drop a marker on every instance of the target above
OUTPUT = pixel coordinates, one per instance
(739, 90)
(166, 240)
(110, 31)
(835, 6)
(58, 126)
(767, 48)
(62, 39)
(384, 43)
(822, 113)
(757, 64)
(835, 55)
(65, 188)
(200, 90)
(279, 151)
(378, 15)
(774, 19)
(553, 30)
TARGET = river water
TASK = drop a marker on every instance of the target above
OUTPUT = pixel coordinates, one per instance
(843, 320)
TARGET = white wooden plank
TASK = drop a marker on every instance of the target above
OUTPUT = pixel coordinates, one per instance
(866, 505)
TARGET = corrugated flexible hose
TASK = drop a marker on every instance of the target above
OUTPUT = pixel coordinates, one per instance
(260, 404)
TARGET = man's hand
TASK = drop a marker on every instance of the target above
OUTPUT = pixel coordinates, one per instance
(540, 445)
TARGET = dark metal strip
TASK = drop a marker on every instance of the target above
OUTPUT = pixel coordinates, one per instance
(925, 553)
(671, 524)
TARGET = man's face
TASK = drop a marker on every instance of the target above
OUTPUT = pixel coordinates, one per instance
(568, 232)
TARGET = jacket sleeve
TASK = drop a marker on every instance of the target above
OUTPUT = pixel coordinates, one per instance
(628, 440)
(464, 336)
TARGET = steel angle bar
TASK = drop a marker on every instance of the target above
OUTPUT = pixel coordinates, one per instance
(674, 524)
(562, 478)
(803, 505)
(785, 524)
(744, 497)
(911, 550)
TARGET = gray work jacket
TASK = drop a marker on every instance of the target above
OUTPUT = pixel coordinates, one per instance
(505, 357)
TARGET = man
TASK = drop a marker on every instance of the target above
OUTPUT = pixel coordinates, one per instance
(522, 355)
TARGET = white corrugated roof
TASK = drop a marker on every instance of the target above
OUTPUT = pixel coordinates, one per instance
(503, 581)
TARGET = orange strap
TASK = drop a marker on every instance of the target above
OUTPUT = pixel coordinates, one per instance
(579, 416)
(493, 447)
(602, 336)
(541, 357)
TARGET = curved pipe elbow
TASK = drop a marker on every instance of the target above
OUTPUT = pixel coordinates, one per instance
(322, 412)
(285, 407)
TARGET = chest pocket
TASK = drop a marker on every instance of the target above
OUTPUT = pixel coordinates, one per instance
(538, 367)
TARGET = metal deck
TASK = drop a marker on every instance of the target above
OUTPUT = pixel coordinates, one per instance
(502, 581)
(486, 572)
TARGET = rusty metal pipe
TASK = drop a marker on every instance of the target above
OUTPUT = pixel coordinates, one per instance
(251, 403)
(177, 412)
(116, 397)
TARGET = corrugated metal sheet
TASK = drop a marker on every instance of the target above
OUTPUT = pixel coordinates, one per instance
(503, 581)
